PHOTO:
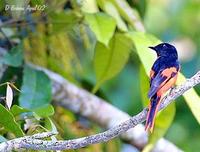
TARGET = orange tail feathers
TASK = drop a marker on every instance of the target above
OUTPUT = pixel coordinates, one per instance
(153, 108)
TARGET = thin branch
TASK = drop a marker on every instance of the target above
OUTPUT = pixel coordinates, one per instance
(30, 142)
(80, 101)
(95, 109)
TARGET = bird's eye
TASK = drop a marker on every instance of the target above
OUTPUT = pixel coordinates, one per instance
(164, 45)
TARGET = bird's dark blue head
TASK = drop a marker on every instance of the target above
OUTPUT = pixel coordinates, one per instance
(165, 50)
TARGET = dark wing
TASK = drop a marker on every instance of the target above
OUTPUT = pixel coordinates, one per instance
(155, 83)
(152, 75)
(162, 77)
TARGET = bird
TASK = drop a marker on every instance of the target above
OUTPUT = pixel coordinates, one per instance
(163, 76)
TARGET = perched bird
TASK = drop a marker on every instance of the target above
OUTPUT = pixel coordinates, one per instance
(163, 76)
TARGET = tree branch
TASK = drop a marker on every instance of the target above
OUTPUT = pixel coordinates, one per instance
(78, 100)
(35, 142)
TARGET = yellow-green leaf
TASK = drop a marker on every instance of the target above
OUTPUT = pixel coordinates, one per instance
(17, 110)
(63, 21)
(129, 14)
(144, 86)
(44, 111)
(9, 123)
(142, 41)
(109, 8)
(89, 6)
(108, 62)
(102, 25)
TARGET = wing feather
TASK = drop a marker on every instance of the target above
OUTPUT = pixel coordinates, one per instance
(162, 77)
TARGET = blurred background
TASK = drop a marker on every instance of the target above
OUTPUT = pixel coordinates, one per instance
(59, 39)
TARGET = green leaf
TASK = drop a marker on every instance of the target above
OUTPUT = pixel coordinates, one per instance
(8, 122)
(142, 41)
(89, 6)
(41, 112)
(14, 57)
(102, 25)
(108, 62)
(2, 5)
(140, 6)
(164, 119)
(109, 8)
(35, 90)
(16, 110)
(64, 20)
(129, 14)
(37, 2)
(44, 111)
(144, 86)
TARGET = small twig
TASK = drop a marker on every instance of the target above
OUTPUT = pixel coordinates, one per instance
(15, 143)
(30, 142)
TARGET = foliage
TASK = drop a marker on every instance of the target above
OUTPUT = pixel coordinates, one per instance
(109, 61)
(9, 123)
(32, 94)
(14, 57)
(97, 24)
(87, 40)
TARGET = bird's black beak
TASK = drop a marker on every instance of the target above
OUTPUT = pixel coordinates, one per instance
(153, 48)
